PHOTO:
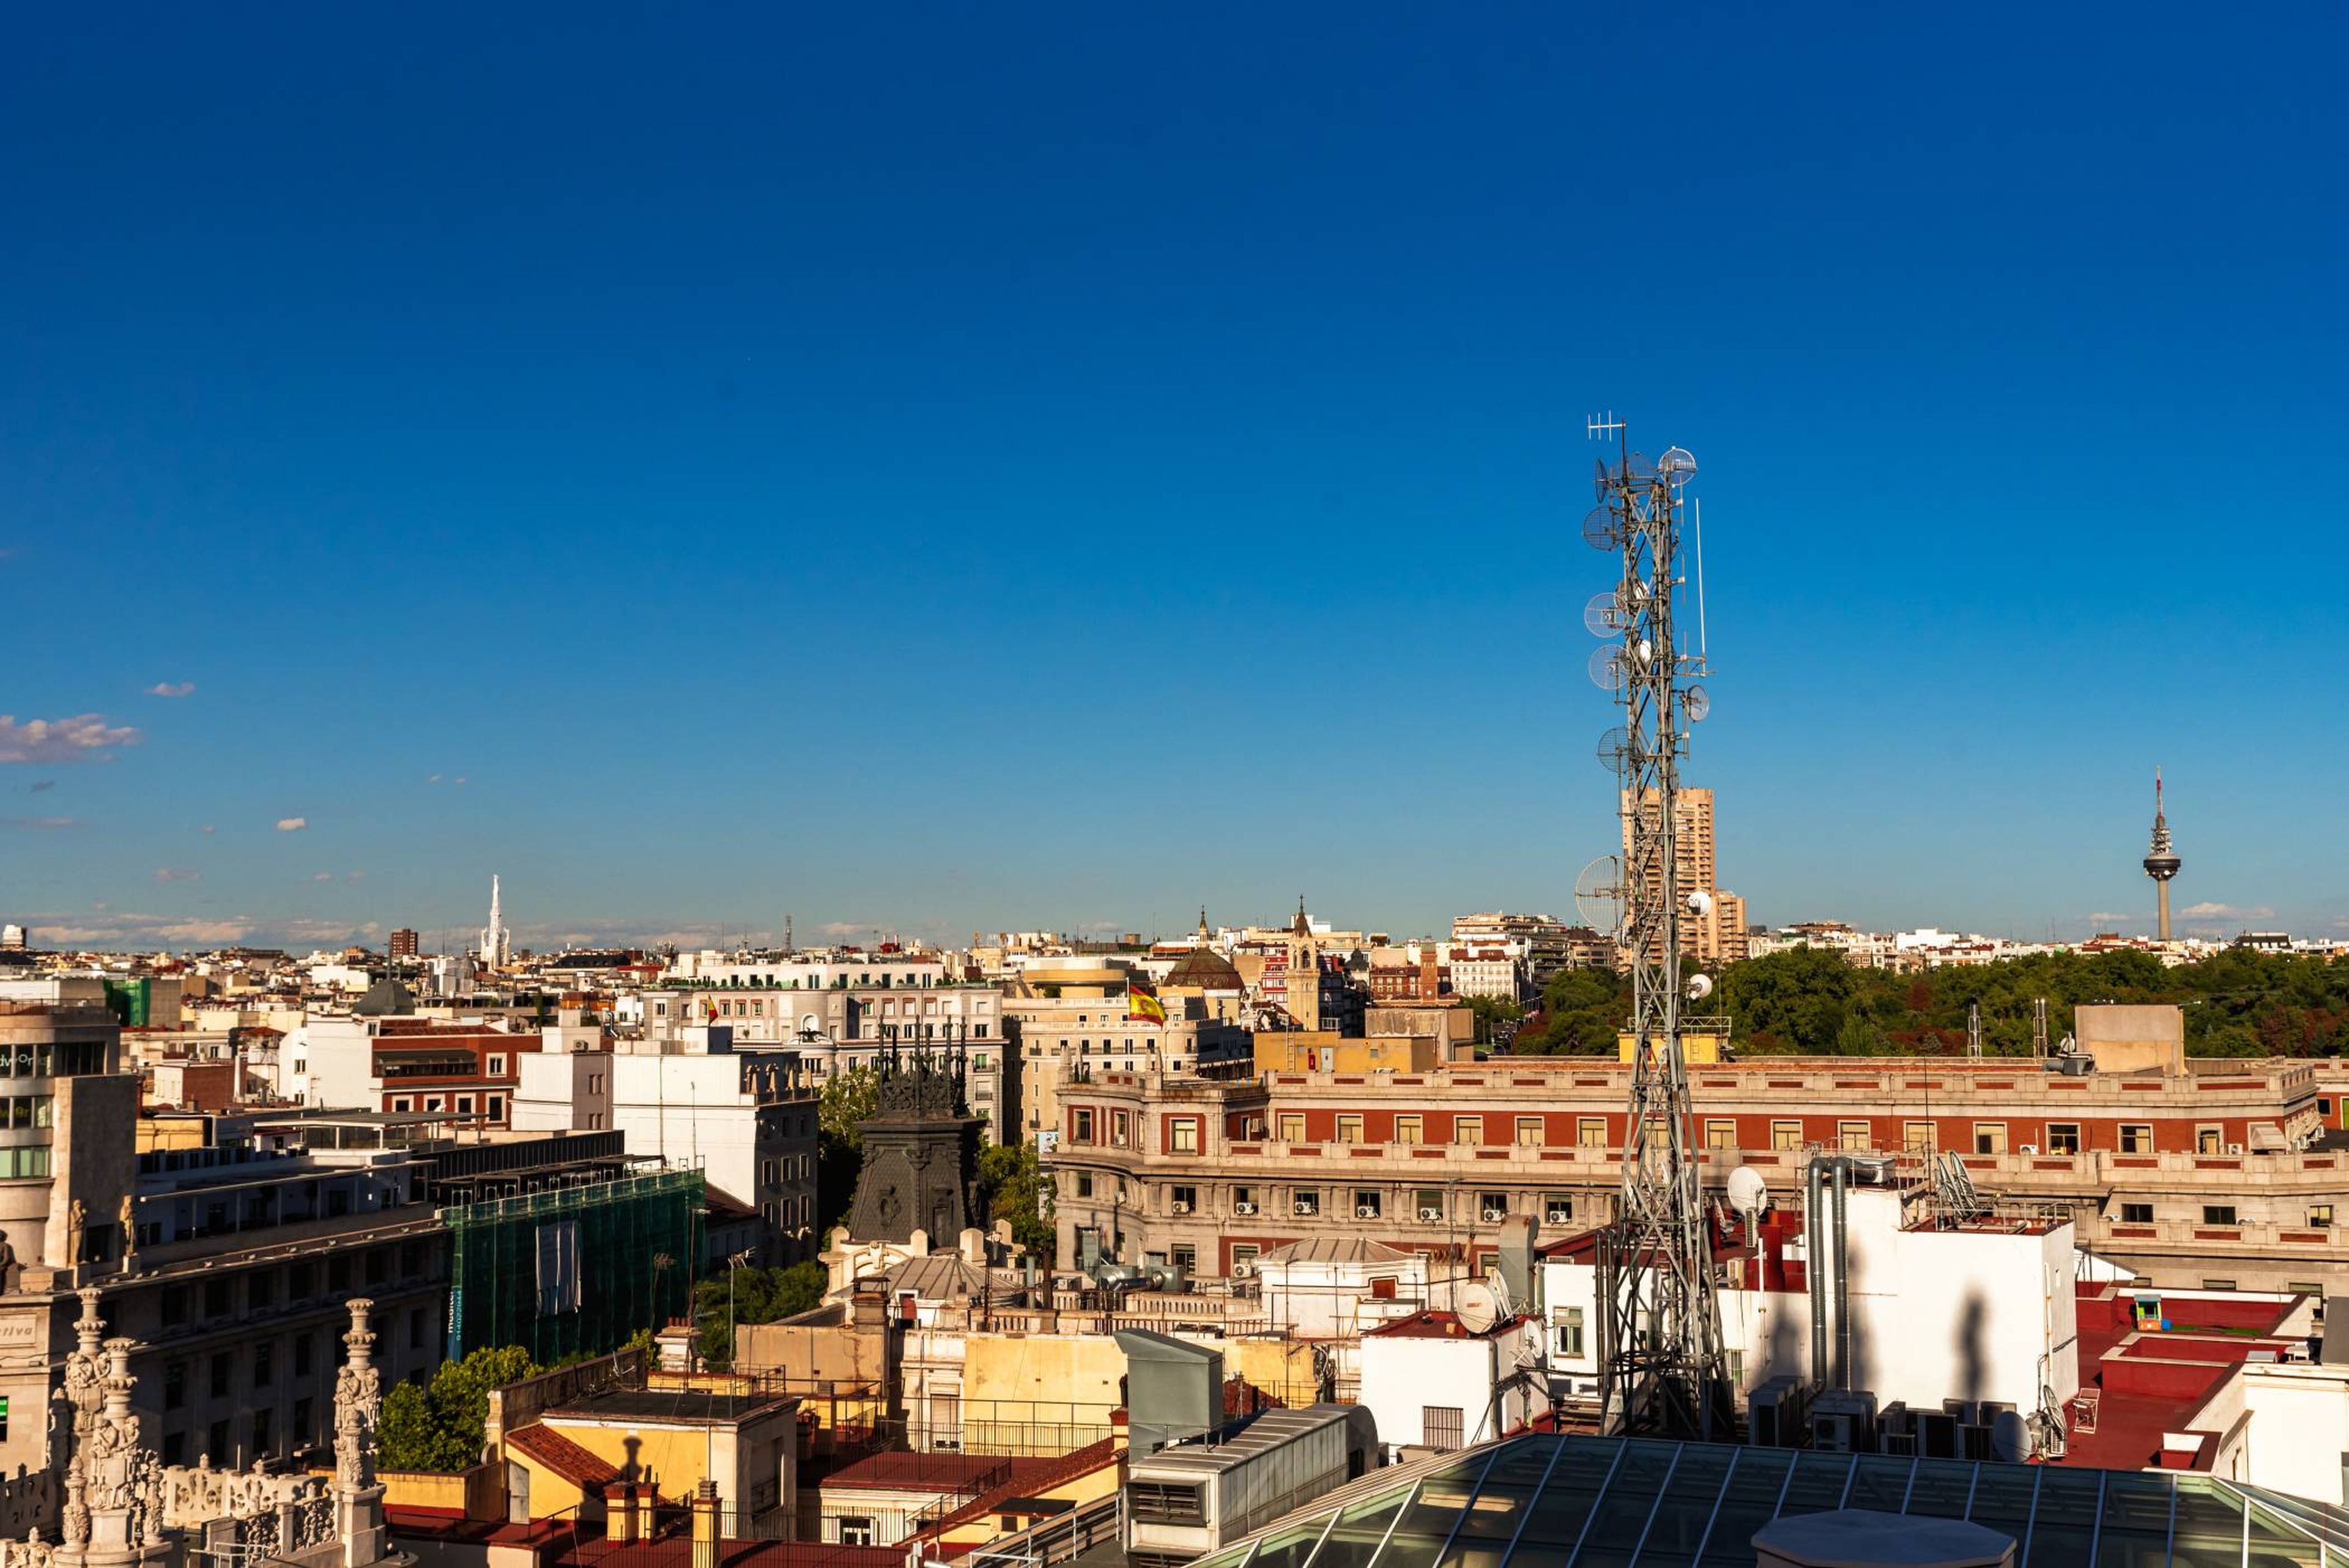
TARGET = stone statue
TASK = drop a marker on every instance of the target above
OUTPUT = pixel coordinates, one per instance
(11, 1268)
(32, 1552)
(76, 1224)
(129, 1216)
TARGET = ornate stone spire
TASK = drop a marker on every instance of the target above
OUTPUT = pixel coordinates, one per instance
(358, 1403)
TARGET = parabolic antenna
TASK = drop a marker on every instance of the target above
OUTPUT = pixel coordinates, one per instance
(1697, 702)
(1601, 530)
(1677, 466)
(1607, 667)
(1748, 1193)
(1611, 746)
(1603, 617)
(1479, 1309)
(1642, 468)
(1599, 895)
(1599, 480)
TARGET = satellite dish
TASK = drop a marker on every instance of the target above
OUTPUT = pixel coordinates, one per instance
(1603, 617)
(1676, 466)
(1697, 702)
(1640, 468)
(1607, 667)
(809, 1024)
(1748, 1193)
(1599, 480)
(1700, 902)
(1598, 894)
(1479, 1309)
(1602, 530)
(1612, 746)
(1700, 986)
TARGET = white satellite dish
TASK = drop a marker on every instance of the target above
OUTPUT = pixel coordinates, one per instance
(1700, 986)
(1748, 1193)
(1700, 902)
(1479, 1309)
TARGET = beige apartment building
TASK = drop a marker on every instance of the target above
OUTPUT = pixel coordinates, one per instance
(1718, 936)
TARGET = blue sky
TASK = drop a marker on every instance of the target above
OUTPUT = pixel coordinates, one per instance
(949, 468)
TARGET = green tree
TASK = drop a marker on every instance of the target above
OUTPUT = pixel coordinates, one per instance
(1791, 1001)
(755, 1295)
(848, 1101)
(1018, 1191)
(1491, 1010)
(442, 1427)
(1582, 1012)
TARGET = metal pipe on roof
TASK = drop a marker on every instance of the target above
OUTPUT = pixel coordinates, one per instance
(1842, 1276)
(1814, 1276)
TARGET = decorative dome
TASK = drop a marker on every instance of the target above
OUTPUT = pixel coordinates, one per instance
(1203, 969)
(387, 997)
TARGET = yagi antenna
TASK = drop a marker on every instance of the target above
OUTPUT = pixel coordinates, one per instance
(1601, 426)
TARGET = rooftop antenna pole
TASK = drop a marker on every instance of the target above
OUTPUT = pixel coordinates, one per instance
(1973, 1028)
(1664, 1371)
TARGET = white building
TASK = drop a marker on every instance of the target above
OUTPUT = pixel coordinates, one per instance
(1433, 1381)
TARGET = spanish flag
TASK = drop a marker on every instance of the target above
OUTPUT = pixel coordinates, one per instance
(1141, 1001)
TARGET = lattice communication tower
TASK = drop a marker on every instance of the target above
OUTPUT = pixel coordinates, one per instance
(1663, 1369)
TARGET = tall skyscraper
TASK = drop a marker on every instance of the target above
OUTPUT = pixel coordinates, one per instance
(403, 943)
(1717, 936)
(2161, 863)
(497, 947)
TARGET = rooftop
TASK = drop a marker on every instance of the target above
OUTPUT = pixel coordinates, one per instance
(675, 1405)
(1539, 1498)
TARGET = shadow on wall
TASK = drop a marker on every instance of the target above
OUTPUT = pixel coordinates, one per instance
(1973, 1365)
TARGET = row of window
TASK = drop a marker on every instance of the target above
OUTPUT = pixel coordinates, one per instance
(62, 1060)
(1590, 1132)
(17, 1163)
(1426, 1204)
(493, 1106)
(264, 1288)
(2320, 1215)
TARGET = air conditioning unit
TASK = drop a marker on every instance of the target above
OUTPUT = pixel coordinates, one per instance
(1843, 1421)
(1244, 1208)
(1901, 1443)
(2234, 1148)
(1180, 1207)
(2031, 1149)
(1243, 1271)
(1494, 1216)
(1365, 1212)
(1431, 1215)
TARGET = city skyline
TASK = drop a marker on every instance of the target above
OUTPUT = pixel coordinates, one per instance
(888, 502)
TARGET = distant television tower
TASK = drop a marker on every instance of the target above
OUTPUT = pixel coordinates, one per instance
(2161, 863)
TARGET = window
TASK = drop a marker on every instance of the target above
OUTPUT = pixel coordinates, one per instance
(2319, 1216)
(2218, 1213)
(1721, 1134)
(1292, 1127)
(1917, 1137)
(2136, 1214)
(1243, 1255)
(1119, 1129)
(1529, 1132)
(1185, 1258)
(1853, 1135)
(1080, 1125)
(497, 1066)
(1440, 1427)
(1492, 1207)
(175, 1385)
(1406, 1129)
(1164, 1503)
(1785, 1135)
(263, 1370)
(1185, 1199)
(219, 1439)
(1569, 1333)
(1429, 1204)
(2136, 1137)
(1990, 1138)
(1304, 1202)
(1590, 1131)
(261, 1431)
(1368, 1203)
(1558, 1209)
(1349, 1127)
(1085, 1185)
(1183, 1134)
(2217, 1285)
(1243, 1200)
(2209, 1140)
(174, 1305)
(301, 1359)
(1467, 1131)
(855, 1530)
(2063, 1138)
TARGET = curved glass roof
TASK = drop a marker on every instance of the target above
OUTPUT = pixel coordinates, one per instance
(1543, 1501)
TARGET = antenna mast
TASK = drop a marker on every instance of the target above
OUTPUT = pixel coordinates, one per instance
(1663, 1366)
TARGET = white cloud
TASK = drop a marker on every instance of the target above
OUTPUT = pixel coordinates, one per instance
(173, 688)
(2106, 917)
(292, 824)
(435, 778)
(85, 738)
(324, 876)
(2226, 912)
(357, 876)
(178, 875)
(462, 779)
(210, 829)
(43, 822)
